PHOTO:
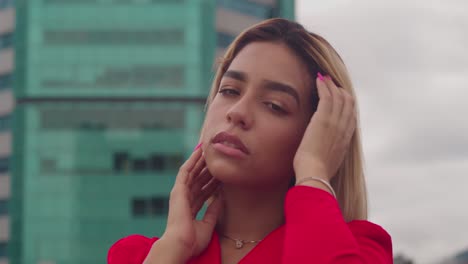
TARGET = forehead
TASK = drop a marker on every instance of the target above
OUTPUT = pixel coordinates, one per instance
(275, 62)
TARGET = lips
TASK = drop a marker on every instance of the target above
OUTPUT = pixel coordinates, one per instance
(230, 141)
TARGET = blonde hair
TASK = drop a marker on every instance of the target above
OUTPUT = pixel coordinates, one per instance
(319, 56)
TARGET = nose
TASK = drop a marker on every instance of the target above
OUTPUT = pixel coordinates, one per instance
(239, 114)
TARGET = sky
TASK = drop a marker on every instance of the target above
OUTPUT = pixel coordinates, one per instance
(408, 60)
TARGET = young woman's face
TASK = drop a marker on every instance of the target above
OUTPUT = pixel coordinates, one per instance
(255, 123)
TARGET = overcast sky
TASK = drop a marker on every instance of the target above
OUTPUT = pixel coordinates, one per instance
(409, 63)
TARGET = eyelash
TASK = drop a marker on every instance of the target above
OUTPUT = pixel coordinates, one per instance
(274, 107)
(224, 92)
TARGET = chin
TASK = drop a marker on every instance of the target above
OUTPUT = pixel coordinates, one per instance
(224, 171)
(222, 167)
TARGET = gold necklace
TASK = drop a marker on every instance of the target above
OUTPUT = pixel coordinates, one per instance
(240, 242)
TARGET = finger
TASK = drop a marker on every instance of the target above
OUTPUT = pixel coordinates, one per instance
(325, 104)
(201, 181)
(203, 178)
(348, 99)
(201, 164)
(209, 190)
(179, 204)
(348, 115)
(182, 176)
(213, 210)
(337, 101)
(349, 107)
(350, 129)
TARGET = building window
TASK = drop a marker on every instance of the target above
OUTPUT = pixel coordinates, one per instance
(5, 123)
(4, 164)
(112, 118)
(6, 80)
(6, 40)
(111, 139)
(3, 207)
(142, 75)
(167, 36)
(139, 207)
(121, 161)
(224, 39)
(251, 8)
(82, 167)
(68, 2)
(6, 3)
(149, 1)
(150, 206)
(158, 206)
(3, 247)
(125, 163)
(128, 77)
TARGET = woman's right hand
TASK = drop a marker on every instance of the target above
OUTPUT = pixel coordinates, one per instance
(193, 186)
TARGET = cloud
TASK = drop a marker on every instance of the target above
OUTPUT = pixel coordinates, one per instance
(409, 64)
(421, 206)
(428, 121)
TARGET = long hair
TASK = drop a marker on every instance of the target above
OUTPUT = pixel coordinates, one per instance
(319, 56)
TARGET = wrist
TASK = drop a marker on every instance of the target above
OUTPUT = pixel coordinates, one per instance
(303, 173)
(315, 184)
(318, 183)
(307, 168)
(165, 251)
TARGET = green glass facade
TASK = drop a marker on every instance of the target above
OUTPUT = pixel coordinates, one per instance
(110, 97)
(6, 106)
(6, 3)
(110, 101)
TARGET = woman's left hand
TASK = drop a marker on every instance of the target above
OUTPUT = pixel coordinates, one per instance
(327, 137)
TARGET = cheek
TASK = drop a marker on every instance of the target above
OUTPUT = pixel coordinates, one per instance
(284, 142)
(212, 120)
(289, 143)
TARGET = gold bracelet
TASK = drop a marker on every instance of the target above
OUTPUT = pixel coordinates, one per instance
(320, 180)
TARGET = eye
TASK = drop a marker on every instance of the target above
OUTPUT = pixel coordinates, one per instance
(228, 92)
(275, 108)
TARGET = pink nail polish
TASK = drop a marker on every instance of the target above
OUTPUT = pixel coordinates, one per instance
(320, 76)
(197, 147)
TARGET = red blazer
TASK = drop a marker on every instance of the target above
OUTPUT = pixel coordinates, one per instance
(314, 232)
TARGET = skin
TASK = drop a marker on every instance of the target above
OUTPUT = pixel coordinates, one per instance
(284, 140)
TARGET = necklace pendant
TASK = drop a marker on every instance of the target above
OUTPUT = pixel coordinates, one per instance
(239, 244)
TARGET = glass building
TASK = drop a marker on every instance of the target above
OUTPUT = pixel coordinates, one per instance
(109, 103)
(233, 16)
(7, 26)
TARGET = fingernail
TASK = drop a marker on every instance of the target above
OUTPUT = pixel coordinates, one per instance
(328, 77)
(320, 76)
(198, 146)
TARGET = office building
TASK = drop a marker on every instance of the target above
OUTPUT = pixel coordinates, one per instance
(7, 27)
(109, 103)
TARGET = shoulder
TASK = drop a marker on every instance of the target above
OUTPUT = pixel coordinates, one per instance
(370, 235)
(368, 229)
(130, 249)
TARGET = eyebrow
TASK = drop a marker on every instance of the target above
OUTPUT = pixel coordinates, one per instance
(236, 75)
(268, 84)
(281, 87)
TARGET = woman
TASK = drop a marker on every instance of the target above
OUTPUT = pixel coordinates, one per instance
(283, 168)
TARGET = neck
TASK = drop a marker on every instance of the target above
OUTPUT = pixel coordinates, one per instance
(251, 213)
